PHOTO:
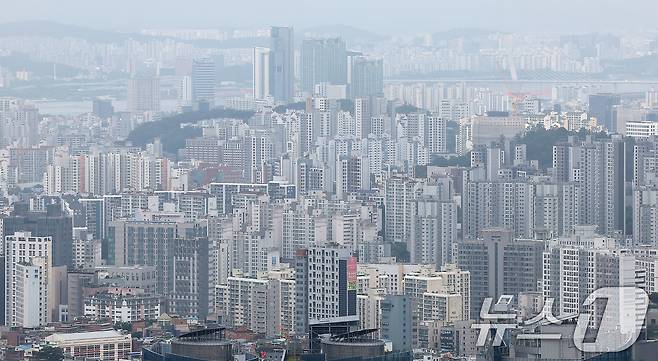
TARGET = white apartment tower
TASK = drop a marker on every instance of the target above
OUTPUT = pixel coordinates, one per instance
(435, 135)
(572, 273)
(28, 267)
(433, 231)
(400, 194)
(261, 73)
(326, 285)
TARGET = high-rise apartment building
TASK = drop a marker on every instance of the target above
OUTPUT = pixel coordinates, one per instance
(571, 273)
(352, 175)
(184, 91)
(598, 167)
(178, 251)
(362, 117)
(400, 194)
(54, 222)
(435, 135)
(506, 204)
(499, 265)
(28, 272)
(27, 165)
(434, 298)
(263, 305)
(645, 213)
(457, 281)
(326, 285)
(244, 302)
(433, 231)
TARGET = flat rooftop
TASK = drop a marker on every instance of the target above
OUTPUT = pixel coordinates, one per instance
(81, 336)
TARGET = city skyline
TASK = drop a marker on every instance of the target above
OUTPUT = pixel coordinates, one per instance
(178, 187)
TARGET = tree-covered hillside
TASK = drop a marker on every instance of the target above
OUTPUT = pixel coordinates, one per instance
(172, 135)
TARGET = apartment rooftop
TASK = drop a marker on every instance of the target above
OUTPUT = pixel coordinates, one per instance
(82, 336)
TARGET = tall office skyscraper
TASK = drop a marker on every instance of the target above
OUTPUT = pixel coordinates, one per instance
(282, 68)
(323, 61)
(602, 107)
(143, 94)
(261, 73)
(203, 80)
(53, 223)
(102, 108)
(366, 77)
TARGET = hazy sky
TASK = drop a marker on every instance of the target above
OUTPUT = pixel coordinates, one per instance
(383, 16)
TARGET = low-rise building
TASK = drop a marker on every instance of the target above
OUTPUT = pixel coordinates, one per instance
(122, 305)
(100, 345)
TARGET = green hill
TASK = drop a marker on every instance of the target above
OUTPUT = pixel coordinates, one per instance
(170, 132)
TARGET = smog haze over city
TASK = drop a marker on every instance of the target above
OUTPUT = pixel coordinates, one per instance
(361, 180)
(382, 16)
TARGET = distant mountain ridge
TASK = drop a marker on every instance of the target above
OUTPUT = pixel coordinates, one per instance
(463, 33)
(59, 30)
(36, 28)
(348, 33)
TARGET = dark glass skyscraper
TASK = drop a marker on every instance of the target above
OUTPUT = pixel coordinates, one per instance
(323, 61)
(367, 78)
(282, 68)
(602, 107)
(53, 222)
(102, 108)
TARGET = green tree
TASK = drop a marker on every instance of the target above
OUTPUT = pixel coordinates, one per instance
(49, 353)
(452, 161)
(170, 132)
(291, 106)
(540, 141)
(407, 108)
(126, 326)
